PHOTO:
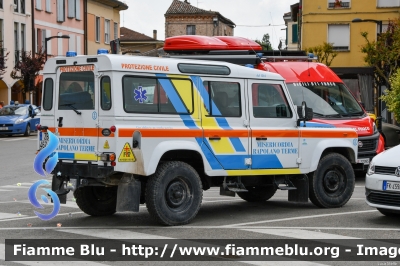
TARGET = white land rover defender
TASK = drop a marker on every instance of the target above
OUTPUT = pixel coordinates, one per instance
(159, 131)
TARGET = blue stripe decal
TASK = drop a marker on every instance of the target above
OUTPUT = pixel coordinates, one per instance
(176, 101)
(266, 161)
(221, 121)
(316, 124)
(66, 155)
(215, 165)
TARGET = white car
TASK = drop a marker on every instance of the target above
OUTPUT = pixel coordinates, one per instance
(382, 183)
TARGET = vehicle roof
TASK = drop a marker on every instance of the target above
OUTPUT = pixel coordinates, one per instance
(303, 71)
(116, 62)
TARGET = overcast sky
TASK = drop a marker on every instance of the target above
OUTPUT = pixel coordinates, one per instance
(253, 18)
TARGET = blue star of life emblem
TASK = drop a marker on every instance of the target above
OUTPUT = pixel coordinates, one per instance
(140, 94)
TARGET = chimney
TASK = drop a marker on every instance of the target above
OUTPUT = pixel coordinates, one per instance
(155, 34)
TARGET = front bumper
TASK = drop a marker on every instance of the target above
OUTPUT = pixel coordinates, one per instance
(13, 129)
(377, 197)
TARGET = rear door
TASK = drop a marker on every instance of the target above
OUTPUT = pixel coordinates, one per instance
(76, 112)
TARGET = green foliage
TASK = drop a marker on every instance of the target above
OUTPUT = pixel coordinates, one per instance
(324, 52)
(384, 56)
(265, 43)
(27, 69)
(392, 97)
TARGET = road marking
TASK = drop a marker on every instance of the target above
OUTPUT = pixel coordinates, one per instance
(111, 233)
(14, 139)
(299, 234)
(4, 190)
(4, 215)
(299, 218)
(32, 217)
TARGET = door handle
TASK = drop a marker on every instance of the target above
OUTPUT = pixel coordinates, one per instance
(215, 138)
(261, 138)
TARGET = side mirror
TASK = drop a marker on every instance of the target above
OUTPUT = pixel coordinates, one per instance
(31, 111)
(305, 113)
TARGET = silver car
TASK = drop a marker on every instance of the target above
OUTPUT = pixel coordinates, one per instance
(382, 183)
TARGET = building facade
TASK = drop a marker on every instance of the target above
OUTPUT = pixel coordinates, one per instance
(291, 32)
(331, 21)
(182, 18)
(103, 23)
(15, 37)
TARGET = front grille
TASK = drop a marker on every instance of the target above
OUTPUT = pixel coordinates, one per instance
(368, 145)
(385, 170)
(5, 131)
(6, 125)
(384, 198)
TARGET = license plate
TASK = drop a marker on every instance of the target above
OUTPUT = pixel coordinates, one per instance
(388, 185)
(3, 128)
(364, 160)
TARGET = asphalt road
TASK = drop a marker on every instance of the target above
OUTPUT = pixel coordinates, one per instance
(219, 217)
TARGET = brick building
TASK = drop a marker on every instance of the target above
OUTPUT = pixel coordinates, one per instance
(182, 18)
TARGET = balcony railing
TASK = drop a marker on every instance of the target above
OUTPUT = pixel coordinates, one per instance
(342, 5)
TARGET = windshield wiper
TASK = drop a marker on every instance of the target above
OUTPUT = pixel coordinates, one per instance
(71, 105)
(334, 115)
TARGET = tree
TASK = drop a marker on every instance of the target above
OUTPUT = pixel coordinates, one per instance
(392, 97)
(324, 52)
(384, 56)
(27, 69)
(3, 60)
(265, 43)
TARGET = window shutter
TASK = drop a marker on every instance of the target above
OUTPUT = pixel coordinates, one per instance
(78, 45)
(60, 11)
(60, 45)
(48, 34)
(71, 8)
(39, 4)
(339, 36)
(294, 33)
(388, 3)
(71, 43)
(48, 6)
(78, 9)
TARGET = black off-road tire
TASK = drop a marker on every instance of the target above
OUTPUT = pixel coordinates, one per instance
(97, 201)
(27, 130)
(389, 213)
(174, 193)
(258, 194)
(332, 184)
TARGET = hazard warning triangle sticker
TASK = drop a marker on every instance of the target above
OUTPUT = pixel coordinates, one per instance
(126, 154)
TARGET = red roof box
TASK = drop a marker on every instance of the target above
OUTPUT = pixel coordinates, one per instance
(193, 43)
(239, 43)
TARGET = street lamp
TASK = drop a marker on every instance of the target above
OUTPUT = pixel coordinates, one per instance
(52, 37)
(378, 113)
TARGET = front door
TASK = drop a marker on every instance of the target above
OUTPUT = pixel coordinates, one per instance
(76, 115)
(224, 122)
(274, 135)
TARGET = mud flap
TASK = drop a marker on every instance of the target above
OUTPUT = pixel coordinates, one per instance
(128, 197)
(56, 185)
(301, 193)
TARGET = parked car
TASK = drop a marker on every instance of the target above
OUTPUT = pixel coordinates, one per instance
(382, 184)
(19, 119)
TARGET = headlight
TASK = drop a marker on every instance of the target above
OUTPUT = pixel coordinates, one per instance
(375, 128)
(371, 169)
(19, 121)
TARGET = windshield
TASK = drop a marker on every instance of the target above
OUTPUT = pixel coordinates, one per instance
(76, 91)
(17, 110)
(326, 99)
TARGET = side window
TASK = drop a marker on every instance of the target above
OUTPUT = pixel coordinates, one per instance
(224, 98)
(105, 93)
(269, 101)
(162, 95)
(48, 94)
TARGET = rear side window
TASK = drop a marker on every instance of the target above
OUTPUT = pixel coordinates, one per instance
(105, 93)
(224, 98)
(269, 101)
(76, 91)
(157, 95)
(48, 94)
